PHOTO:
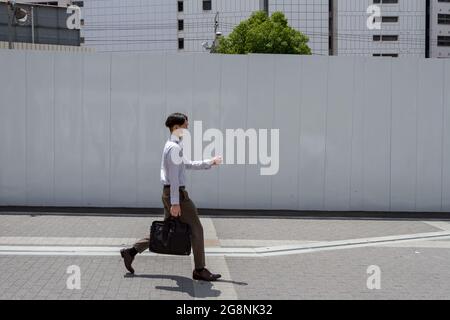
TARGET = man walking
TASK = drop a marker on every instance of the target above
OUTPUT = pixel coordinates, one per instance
(175, 198)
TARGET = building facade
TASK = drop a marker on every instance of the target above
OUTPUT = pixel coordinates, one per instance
(419, 28)
(198, 21)
(39, 24)
(440, 29)
(401, 29)
(161, 25)
(191, 25)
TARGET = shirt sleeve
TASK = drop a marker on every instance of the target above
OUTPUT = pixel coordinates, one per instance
(174, 179)
(198, 165)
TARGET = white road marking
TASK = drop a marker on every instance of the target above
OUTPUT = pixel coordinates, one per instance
(443, 225)
(67, 241)
(260, 243)
(210, 236)
(234, 251)
(420, 244)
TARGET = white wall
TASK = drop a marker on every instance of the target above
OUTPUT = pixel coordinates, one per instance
(356, 133)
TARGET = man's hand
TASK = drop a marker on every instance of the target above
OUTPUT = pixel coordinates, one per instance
(216, 161)
(175, 210)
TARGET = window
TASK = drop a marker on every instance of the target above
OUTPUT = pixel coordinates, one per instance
(443, 18)
(385, 38)
(180, 6)
(389, 38)
(180, 25)
(207, 4)
(388, 19)
(393, 55)
(444, 41)
(180, 43)
(385, 1)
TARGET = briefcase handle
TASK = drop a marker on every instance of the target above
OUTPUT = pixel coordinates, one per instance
(169, 227)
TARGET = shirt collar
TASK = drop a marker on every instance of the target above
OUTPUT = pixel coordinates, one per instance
(174, 138)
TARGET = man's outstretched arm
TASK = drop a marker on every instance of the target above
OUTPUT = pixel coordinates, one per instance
(202, 165)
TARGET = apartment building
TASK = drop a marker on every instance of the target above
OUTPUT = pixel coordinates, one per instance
(198, 21)
(398, 28)
(418, 28)
(439, 39)
(191, 25)
(161, 25)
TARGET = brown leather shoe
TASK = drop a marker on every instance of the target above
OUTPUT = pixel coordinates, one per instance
(127, 259)
(205, 275)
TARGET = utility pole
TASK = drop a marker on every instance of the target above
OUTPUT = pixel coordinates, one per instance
(32, 24)
(216, 22)
(9, 8)
(216, 33)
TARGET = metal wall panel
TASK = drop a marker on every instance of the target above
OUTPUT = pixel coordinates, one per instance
(96, 129)
(376, 124)
(124, 121)
(404, 139)
(312, 133)
(339, 134)
(430, 135)
(12, 128)
(179, 73)
(152, 133)
(68, 115)
(205, 108)
(90, 129)
(233, 115)
(446, 146)
(356, 174)
(40, 129)
(260, 112)
(286, 119)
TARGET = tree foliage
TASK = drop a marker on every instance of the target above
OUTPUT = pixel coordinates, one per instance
(261, 34)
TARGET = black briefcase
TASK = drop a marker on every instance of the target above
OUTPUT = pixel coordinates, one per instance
(170, 236)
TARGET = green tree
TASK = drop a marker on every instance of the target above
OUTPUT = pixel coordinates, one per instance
(261, 34)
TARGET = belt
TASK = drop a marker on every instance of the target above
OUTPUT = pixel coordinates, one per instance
(168, 186)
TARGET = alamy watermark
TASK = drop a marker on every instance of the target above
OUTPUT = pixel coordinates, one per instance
(239, 146)
(374, 280)
(73, 282)
(373, 21)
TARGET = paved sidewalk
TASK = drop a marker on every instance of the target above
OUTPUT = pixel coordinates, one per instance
(259, 258)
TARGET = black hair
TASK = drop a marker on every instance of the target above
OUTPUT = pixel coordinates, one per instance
(176, 119)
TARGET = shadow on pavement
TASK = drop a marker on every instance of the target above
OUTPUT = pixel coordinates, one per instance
(186, 285)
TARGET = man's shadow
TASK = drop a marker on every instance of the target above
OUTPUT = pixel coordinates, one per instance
(186, 285)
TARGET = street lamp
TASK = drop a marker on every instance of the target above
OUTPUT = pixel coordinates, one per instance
(17, 14)
(217, 34)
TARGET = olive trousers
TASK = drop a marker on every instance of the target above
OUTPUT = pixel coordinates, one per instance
(189, 215)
